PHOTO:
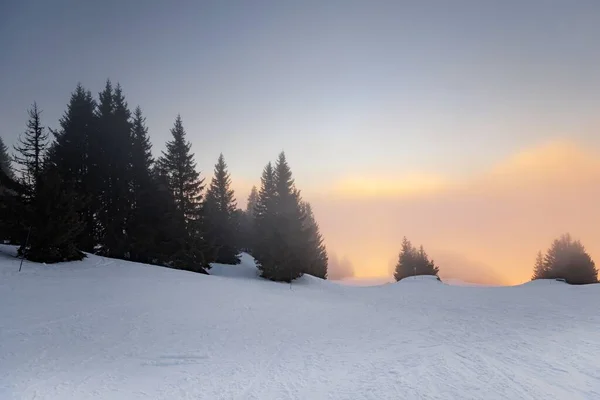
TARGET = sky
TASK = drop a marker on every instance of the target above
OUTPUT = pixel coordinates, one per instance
(471, 127)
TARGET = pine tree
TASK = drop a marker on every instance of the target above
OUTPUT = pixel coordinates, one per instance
(288, 257)
(252, 202)
(5, 164)
(246, 218)
(406, 261)
(116, 148)
(317, 253)
(221, 224)
(424, 266)
(31, 150)
(57, 223)
(540, 270)
(265, 235)
(567, 259)
(76, 155)
(143, 224)
(178, 168)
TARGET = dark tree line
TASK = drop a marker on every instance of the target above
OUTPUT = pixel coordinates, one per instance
(93, 186)
(566, 259)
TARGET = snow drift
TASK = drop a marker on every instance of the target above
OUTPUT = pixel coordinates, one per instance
(109, 329)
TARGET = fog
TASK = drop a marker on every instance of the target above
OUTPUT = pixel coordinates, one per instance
(484, 229)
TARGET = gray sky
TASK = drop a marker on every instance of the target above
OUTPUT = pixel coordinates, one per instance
(346, 88)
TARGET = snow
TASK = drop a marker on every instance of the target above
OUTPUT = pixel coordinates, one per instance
(109, 329)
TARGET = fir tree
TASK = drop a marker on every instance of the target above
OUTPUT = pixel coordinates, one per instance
(221, 223)
(5, 164)
(317, 253)
(31, 150)
(143, 223)
(288, 258)
(116, 148)
(57, 222)
(406, 261)
(76, 155)
(180, 168)
(424, 266)
(540, 270)
(567, 259)
(412, 262)
(246, 218)
(252, 202)
(265, 234)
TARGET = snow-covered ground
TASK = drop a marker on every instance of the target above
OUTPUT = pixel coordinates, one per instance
(108, 329)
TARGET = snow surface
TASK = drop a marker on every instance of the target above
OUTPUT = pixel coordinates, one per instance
(109, 329)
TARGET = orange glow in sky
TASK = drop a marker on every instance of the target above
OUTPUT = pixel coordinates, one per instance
(485, 228)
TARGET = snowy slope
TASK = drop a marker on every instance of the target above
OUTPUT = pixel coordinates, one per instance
(108, 329)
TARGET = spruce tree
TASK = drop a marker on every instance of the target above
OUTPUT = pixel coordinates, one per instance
(406, 261)
(246, 218)
(116, 149)
(178, 168)
(252, 202)
(5, 160)
(567, 259)
(31, 150)
(143, 223)
(265, 234)
(424, 266)
(540, 270)
(76, 155)
(288, 258)
(317, 253)
(220, 218)
(56, 223)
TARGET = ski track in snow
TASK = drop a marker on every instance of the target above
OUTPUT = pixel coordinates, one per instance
(102, 328)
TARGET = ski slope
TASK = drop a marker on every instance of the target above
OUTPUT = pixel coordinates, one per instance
(109, 329)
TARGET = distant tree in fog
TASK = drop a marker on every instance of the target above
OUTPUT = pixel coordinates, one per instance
(540, 269)
(412, 262)
(5, 164)
(220, 218)
(566, 259)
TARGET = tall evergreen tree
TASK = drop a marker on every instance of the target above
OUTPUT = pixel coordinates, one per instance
(30, 153)
(252, 202)
(5, 164)
(178, 168)
(221, 223)
(143, 224)
(31, 150)
(288, 258)
(246, 222)
(56, 223)
(317, 253)
(76, 155)
(265, 235)
(116, 148)
(406, 260)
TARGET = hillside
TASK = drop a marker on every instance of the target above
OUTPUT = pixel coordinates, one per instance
(109, 329)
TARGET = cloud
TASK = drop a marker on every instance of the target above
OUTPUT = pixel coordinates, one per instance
(487, 227)
(407, 185)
